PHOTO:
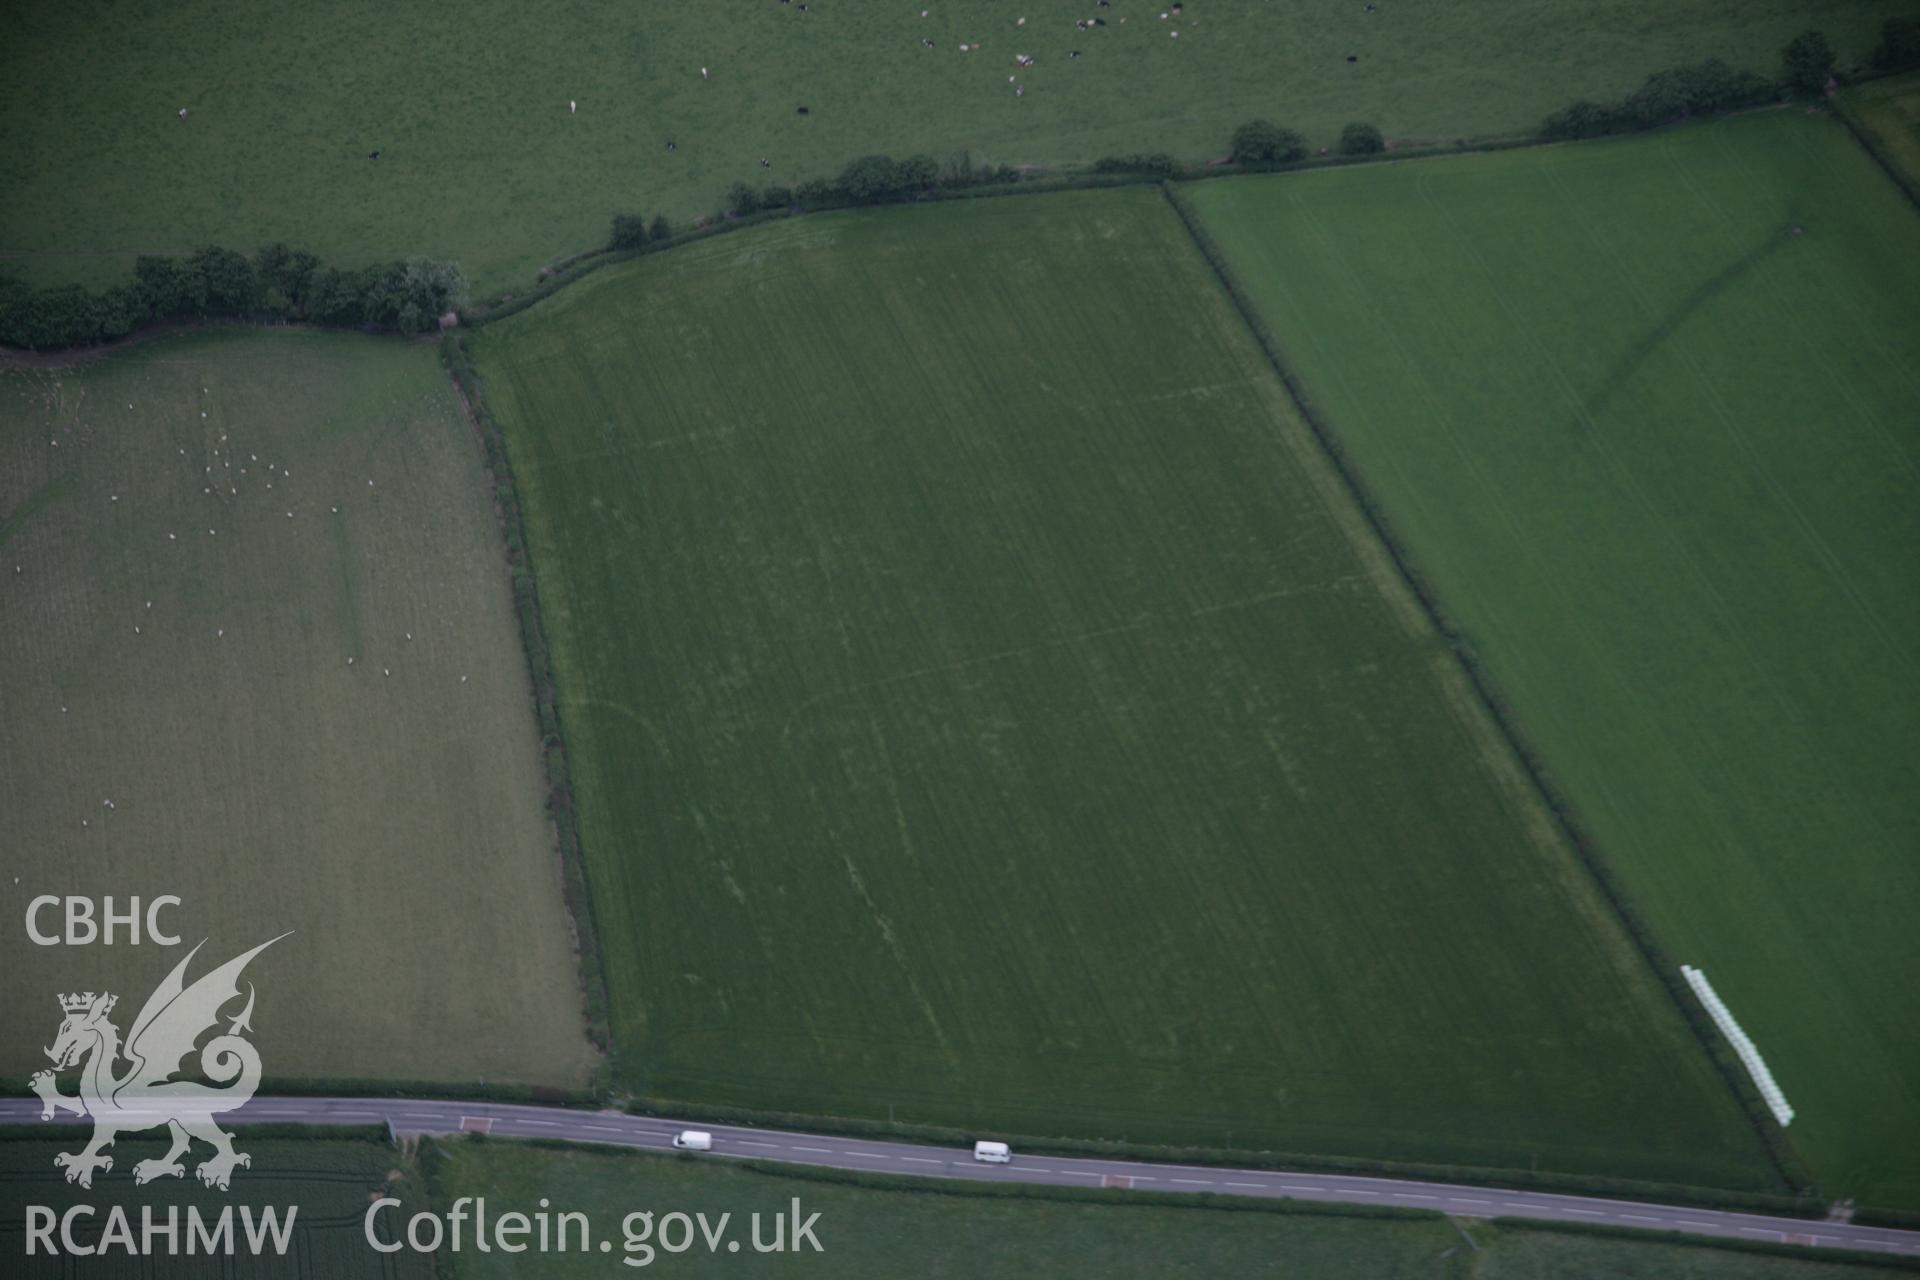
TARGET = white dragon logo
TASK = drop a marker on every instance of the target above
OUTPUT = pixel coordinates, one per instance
(173, 1019)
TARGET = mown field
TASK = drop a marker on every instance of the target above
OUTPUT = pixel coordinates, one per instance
(256, 651)
(481, 160)
(987, 710)
(905, 1226)
(1648, 414)
(325, 1182)
(1890, 108)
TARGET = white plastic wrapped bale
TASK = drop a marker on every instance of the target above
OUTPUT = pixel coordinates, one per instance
(1743, 1046)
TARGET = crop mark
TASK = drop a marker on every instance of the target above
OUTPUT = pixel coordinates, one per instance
(1062, 642)
(1701, 294)
(900, 958)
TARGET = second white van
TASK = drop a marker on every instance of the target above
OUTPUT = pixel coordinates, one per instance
(993, 1152)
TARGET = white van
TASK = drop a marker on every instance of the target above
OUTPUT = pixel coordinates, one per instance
(993, 1152)
(693, 1140)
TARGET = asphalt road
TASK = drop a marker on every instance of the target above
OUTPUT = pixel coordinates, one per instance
(615, 1128)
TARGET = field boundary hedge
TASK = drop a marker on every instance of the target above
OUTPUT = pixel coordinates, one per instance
(1105, 172)
(457, 1091)
(1072, 177)
(546, 701)
(1076, 177)
(1786, 1163)
(434, 1155)
(276, 284)
(592, 260)
(937, 1185)
(1766, 1248)
(1870, 141)
(1119, 1196)
(1235, 1158)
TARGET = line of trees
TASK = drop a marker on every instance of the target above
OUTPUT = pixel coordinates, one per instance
(277, 283)
(1666, 96)
(632, 231)
(1259, 143)
(1808, 65)
(869, 180)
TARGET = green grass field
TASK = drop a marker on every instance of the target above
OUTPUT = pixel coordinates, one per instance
(1516, 1253)
(1890, 109)
(1646, 412)
(926, 1228)
(197, 535)
(987, 710)
(482, 162)
(906, 1226)
(325, 1182)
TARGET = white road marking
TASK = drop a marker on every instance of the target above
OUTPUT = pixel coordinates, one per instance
(1260, 1185)
(1514, 1204)
(1590, 1213)
(919, 1160)
(1195, 1182)
(1347, 1191)
(1413, 1195)
(819, 1151)
(607, 1128)
(1288, 1186)
(1639, 1217)
(1469, 1200)
(867, 1155)
(1075, 1173)
(1699, 1226)
(749, 1142)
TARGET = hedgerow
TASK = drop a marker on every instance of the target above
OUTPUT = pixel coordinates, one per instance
(276, 284)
